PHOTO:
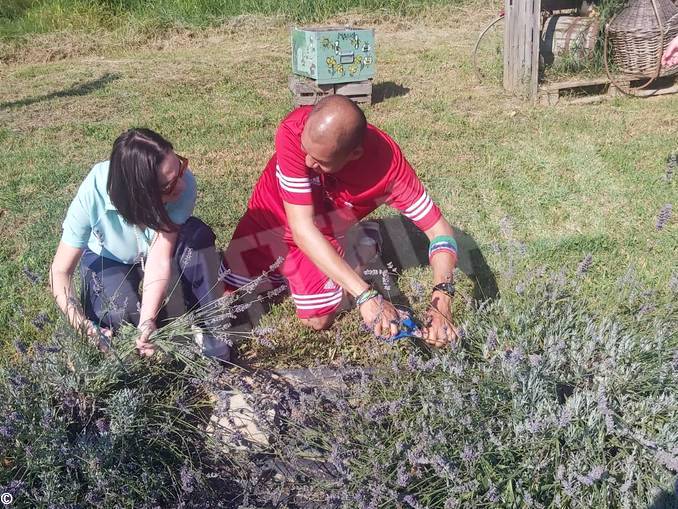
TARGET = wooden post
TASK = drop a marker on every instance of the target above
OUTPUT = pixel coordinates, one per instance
(521, 47)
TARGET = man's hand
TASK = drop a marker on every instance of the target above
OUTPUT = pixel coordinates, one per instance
(381, 317)
(143, 343)
(438, 330)
(670, 57)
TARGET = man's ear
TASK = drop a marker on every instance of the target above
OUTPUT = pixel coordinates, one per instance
(357, 153)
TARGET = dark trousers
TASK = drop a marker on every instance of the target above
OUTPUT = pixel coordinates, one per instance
(110, 289)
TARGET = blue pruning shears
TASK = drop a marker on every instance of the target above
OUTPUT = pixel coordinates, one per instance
(408, 326)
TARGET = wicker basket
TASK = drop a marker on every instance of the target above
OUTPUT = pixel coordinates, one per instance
(640, 33)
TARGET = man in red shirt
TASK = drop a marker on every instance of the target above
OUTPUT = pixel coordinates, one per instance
(331, 169)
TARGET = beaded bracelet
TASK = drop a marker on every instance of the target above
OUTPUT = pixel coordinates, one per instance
(368, 294)
(442, 243)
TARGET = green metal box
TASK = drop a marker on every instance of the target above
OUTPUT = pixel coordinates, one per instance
(333, 54)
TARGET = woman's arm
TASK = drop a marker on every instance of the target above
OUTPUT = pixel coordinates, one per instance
(61, 283)
(158, 271)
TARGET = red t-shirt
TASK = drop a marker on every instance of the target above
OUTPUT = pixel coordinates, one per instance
(340, 200)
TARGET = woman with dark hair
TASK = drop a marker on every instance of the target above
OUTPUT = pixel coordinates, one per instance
(129, 223)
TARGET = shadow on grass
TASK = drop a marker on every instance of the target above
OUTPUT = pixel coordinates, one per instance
(386, 90)
(405, 246)
(76, 90)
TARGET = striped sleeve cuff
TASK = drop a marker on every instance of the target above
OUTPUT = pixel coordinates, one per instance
(423, 212)
(295, 190)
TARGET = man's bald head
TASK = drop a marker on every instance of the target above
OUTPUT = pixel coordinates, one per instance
(337, 121)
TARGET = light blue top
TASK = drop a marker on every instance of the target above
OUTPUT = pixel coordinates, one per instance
(93, 221)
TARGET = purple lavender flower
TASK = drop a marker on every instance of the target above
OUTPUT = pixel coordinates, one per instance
(186, 258)
(585, 265)
(265, 342)
(18, 381)
(20, 347)
(597, 472)
(534, 359)
(187, 479)
(663, 216)
(492, 340)
(417, 289)
(668, 460)
(402, 478)
(595, 475)
(102, 425)
(70, 400)
(468, 454)
(378, 412)
(41, 320)
(565, 418)
(671, 166)
(31, 276)
(412, 362)
(412, 502)
(492, 494)
(604, 409)
(515, 356)
(673, 283)
(431, 364)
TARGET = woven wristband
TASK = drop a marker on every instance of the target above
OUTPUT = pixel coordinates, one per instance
(368, 294)
(442, 243)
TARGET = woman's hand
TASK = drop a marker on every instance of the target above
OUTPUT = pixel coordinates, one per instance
(99, 336)
(143, 343)
(670, 57)
(380, 316)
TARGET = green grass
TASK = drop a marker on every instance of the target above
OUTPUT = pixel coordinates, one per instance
(573, 180)
(20, 17)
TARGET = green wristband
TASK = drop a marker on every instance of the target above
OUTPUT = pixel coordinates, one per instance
(368, 294)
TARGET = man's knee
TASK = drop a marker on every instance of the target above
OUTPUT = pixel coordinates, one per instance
(319, 322)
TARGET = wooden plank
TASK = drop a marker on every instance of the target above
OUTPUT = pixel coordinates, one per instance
(651, 92)
(521, 46)
(558, 85)
(535, 39)
(509, 34)
(301, 85)
(357, 88)
(555, 93)
(558, 5)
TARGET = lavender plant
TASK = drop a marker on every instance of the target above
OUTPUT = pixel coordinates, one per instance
(545, 404)
(80, 427)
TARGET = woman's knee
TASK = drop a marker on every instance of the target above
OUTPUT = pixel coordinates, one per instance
(196, 234)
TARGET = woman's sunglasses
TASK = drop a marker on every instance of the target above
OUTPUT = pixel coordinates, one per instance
(168, 188)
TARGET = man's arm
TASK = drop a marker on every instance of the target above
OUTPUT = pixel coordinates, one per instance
(377, 313)
(440, 330)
